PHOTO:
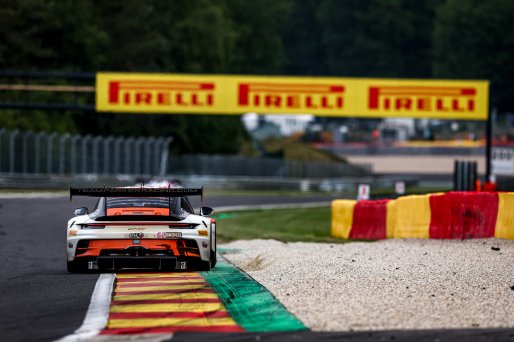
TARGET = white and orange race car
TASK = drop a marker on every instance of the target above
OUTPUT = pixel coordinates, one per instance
(140, 228)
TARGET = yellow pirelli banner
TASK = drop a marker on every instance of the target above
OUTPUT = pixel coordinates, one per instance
(323, 96)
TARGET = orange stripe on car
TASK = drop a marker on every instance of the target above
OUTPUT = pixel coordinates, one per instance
(178, 247)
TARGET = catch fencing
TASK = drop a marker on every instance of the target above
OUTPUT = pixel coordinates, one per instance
(26, 153)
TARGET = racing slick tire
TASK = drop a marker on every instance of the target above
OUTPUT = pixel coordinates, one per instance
(207, 265)
(76, 266)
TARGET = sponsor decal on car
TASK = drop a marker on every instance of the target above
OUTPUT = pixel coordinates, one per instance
(168, 235)
(136, 235)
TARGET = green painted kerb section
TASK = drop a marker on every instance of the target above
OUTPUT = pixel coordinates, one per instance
(249, 303)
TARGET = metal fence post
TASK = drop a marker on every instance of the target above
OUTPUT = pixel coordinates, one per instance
(148, 155)
(49, 153)
(62, 152)
(164, 156)
(129, 142)
(73, 153)
(24, 151)
(117, 148)
(96, 142)
(2, 131)
(11, 150)
(85, 140)
(157, 155)
(137, 155)
(107, 157)
(37, 151)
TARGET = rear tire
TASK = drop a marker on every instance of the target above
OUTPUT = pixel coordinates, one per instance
(76, 266)
(207, 265)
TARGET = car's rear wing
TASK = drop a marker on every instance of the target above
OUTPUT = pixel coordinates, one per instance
(135, 192)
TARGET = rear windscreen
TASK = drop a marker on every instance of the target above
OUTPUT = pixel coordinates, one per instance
(149, 202)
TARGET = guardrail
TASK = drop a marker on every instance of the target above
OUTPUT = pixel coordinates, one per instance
(341, 185)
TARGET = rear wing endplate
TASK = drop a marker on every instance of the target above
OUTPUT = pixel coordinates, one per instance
(135, 192)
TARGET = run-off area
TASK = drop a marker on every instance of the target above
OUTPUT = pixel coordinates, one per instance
(386, 285)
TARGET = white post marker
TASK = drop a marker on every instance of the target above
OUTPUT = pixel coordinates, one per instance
(363, 192)
(399, 188)
(98, 312)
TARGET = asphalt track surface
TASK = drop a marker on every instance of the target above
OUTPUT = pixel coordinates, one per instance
(41, 301)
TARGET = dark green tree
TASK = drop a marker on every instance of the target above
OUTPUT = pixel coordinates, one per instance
(50, 35)
(200, 36)
(475, 40)
(380, 38)
(258, 49)
(304, 51)
(136, 41)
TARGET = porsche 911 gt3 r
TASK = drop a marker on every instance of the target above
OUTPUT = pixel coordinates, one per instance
(140, 228)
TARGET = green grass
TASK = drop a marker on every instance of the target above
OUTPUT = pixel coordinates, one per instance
(412, 190)
(290, 193)
(311, 225)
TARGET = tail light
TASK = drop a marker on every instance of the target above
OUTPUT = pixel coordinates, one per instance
(183, 225)
(92, 226)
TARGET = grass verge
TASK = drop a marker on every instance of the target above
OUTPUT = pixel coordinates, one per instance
(310, 225)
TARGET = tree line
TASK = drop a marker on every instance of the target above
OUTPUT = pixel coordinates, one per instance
(464, 39)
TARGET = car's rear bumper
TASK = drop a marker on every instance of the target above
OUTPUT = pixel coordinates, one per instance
(113, 254)
(145, 261)
(137, 247)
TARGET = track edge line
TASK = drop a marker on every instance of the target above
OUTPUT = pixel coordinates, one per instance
(98, 311)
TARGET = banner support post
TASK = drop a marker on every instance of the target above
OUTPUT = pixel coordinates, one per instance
(488, 144)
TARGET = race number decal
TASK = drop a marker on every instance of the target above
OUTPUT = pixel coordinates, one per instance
(168, 235)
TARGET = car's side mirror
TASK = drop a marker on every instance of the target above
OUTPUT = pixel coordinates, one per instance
(206, 211)
(81, 211)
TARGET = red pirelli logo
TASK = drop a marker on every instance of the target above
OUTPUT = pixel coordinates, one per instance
(290, 96)
(422, 98)
(161, 93)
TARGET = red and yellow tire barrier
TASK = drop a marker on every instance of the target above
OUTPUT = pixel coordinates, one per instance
(390, 219)
(342, 218)
(452, 215)
(369, 220)
(145, 303)
(505, 219)
(462, 215)
(412, 217)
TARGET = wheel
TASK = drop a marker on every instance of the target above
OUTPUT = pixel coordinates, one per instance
(76, 266)
(204, 266)
(207, 265)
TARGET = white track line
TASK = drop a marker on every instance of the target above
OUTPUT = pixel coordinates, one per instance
(98, 312)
